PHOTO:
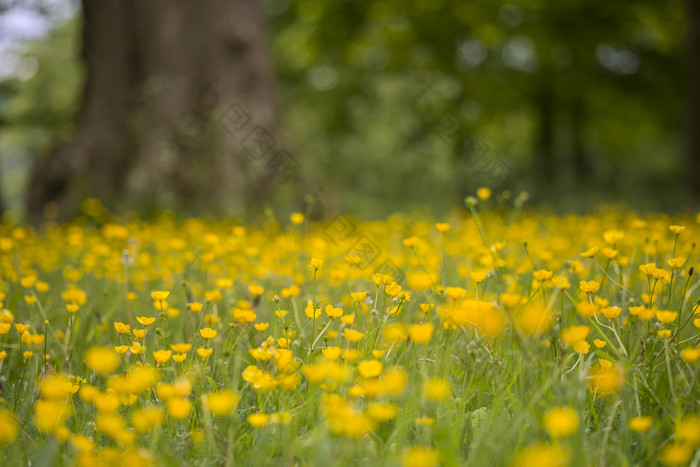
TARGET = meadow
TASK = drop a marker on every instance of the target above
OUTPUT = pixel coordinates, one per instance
(495, 336)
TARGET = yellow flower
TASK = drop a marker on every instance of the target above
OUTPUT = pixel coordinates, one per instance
(691, 354)
(541, 455)
(393, 289)
(204, 353)
(370, 368)
(611, 312)
(542, 275)
(145, 321)
(599, 343)
(140, 333)
(332, 353)
(261, 326)
(534, 319)
(609, 253)
(352, 335)
(213, 295)
(121, 349)
(640, 424)
(256, 290)
(436, 389)
(688, 430)
(421, 333)
(574, 334)
(162, 356)
(224, 282)
(180, 357)
(101, 360)
(589, 287)
(605, 381)
(663, 333)
(258, 420)
(581, 347)
(316, 263)
(72, 308)
(348, 319)
(659, 273)
(647, 269)
(382, 411)
(28, 281)
(425, 421)
(296, 218)
(478, 276)
(420, 456)
(291, 291)
(159, 295)
(21, 328)
(411, 242)
(560, 422)
(642, 312)
(49, 415)
(283, 342)
(676, 229)
(4, 328)
(676, 262)
(561, 283)
(334, 312)
(208, 333)
(121, 327)
(442, 226)
(196, 307)
(676, 454)
(28, 354)
(243, 315)
(590, 253)
(281, 313)
(312, 312)
(179, 408)
(221, 403)
(613, 236)
(8, 427)
(394, 332)
(483, 193)
(666, 317)
(145, 420)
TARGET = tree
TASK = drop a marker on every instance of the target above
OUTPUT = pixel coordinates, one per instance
(177, 112)
(692, 130)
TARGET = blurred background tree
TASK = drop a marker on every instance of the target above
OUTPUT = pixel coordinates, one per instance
(385, 105)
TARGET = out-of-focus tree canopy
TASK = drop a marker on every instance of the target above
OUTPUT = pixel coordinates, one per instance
(565, 92)
(576, 101)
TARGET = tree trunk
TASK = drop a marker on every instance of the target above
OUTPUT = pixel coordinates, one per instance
(545, 163)
(692, 102)
(579, 157)
(178, 111)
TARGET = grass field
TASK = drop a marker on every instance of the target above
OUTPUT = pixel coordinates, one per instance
(492, 337)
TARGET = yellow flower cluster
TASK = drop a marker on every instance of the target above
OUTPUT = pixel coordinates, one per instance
(408, 339)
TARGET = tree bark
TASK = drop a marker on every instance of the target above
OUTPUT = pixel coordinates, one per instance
(174, 89)
(692, 102)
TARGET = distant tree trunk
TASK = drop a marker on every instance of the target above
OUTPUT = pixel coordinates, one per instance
(579, 157)
(692, 101)
(178, 110)
(545, 163)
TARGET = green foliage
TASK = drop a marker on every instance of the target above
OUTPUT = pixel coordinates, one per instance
(40, 110)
